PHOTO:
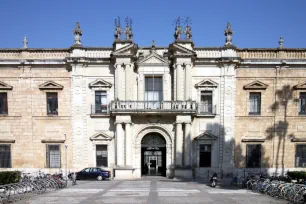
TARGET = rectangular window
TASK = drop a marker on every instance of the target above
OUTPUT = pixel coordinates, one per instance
(300, 157)
(303, 103)
(5, 156)
(206, 102)
(3, 103)
(153, 89)
(53, 156)
(205, 155)
(52, 104)
(100, 102)
(255, 103)
(253, 156)
(101, 155)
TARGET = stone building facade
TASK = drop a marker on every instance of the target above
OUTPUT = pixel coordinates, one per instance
(176, 111)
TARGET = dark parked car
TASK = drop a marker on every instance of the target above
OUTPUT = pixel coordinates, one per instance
(92, 173)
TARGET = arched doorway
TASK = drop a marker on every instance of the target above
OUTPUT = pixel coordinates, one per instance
(153, 155)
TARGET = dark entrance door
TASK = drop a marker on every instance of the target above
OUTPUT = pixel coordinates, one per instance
(153, 155)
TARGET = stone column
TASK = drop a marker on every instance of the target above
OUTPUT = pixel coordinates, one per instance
(117, 80)
(187, 82)
(179, 85)
(128, 80)
(187, 152)
(119, 144)
(128, 145)
(179, 144)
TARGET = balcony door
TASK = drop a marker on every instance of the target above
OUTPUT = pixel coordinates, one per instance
(153, 92)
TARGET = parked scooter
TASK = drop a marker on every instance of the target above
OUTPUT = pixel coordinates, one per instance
(213, 180)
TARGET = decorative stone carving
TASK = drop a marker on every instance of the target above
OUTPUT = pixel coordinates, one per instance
(50, 85)
(256, 85)
(228, 34)
(77, 34)
(128, 28)
(206, 83)
(187, 31)
(178, 28)
(206, 136)
(4, 86)
(25, 42)
(301, 86)
(100, 83)
(118, 30)
(101, 136)
(280, 42)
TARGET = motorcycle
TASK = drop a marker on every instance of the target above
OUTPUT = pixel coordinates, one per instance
(213, 180)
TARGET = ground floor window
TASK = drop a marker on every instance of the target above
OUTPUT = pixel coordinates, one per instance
(300, 158)
(5, 156)
(53, 156)
(101, 155)
(253, 155)
(205, 155)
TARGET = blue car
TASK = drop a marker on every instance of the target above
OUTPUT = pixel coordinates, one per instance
(93, 173)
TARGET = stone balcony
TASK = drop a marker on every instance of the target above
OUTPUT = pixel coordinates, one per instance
(154, 107)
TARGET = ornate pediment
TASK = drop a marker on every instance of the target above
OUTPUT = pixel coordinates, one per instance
(51, 85)
(256, 85)
(153, 58)
(300, 85)
(206, 136)
(101, 136)
(100, 83)
(126, 51)
(4, 86)
(207, 83)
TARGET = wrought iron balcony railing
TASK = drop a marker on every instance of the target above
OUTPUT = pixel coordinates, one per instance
(153, 106)
(100, 109)
(206, 109)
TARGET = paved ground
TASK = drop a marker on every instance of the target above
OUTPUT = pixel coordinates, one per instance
(151, 191)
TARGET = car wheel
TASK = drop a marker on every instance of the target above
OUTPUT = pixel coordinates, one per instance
(99, 178)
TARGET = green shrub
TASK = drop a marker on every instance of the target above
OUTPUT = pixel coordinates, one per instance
(297, 174)
(7, 177)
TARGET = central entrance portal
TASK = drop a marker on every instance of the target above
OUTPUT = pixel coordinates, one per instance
(153, 155)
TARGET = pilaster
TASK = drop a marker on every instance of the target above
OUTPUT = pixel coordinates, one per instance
(179, 144)
(179, 85)
(128, 144)
(187, 151)
(119, 144)
(187, 82)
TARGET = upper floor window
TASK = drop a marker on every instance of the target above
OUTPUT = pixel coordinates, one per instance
(255, 103)
(300, 157)
(253, 156)
(100, 102)
(52, 104)
(206, 105)
(53, 156)
(303, 103)
(3, 104)
(5, 156)
(153, 89)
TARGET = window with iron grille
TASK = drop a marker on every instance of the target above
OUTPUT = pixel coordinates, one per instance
(101, 155)
(255, 103)
(3, 103)
(52, 104)
(253, 156)
(5, 156)
(101, 102)
(300, 157)
(53, 156)
(205, 155)
(303, 103)
(206, 105)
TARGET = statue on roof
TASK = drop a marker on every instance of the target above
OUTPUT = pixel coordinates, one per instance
(77, 34)
(118, 30)
(128, 28)
(228, 33)
(178, 28)
(25, 42)
(280, 42)
(187, 31)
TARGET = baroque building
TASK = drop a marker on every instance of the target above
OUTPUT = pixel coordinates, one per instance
(176, 111)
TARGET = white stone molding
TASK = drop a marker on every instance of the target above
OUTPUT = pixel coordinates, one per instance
(128, 144)
(300, 86)
(100, 84)
(179, 80)
(50, 85)
(188, 142)
(207, 83)
(188, 75)
(255, 85)
(101, 136)
(4, 86)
